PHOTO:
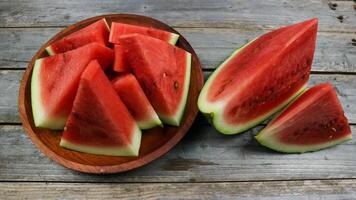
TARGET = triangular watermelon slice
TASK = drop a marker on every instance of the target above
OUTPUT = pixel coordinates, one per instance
(314, 121)
(97, 32)
(55, 81)
(131, 93)
(163, 72)
(120, 29)
(99, 122)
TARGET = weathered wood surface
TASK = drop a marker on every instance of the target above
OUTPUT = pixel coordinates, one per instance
(334, 53)
(10, 80)
(291, 190)
(205, 164)
(204, 155)
(253, 14)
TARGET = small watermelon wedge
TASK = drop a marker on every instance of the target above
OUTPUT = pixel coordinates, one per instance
(99, 122)
(259, 78)
(120, 29)
(55, 80)
(97, 32)
(312, 122)
(131, 93)
(163, 72)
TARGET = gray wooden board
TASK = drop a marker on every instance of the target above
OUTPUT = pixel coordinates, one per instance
(334, 53)
(204, 155)
(282, 190)
(10, 80)
(253, 14)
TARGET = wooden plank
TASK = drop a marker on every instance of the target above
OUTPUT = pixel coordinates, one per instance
(316, 189)
(10, 80)
(252, 14)
(203, 155)
(334, 52)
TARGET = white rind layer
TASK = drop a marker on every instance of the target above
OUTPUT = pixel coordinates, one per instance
(215, 110)
(50, 50)
(40, 117)
(129, 150)
(265, 138)
(153, 121)
(177, 117)
(174, 39)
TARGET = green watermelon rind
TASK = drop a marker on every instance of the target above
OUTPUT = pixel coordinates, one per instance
(177, 117)
(153, 121)
(214, 111)
(264, 139)
(174, 38)
(129, 150)
(40, 118)
(269, 142)
(50, 50)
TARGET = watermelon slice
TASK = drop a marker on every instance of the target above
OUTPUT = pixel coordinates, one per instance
(120, 64)
(55, 81)
(99, 122)
(163, 72)
(120, 29)
(314, 121)
(131, 93)
(97, 32)
(260, 78)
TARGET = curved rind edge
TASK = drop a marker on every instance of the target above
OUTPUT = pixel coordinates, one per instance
(130, 150)
(50, 50)
(40, 119)
(176, 119)
(270, 143)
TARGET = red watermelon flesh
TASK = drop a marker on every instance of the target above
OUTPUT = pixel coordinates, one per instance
(163, 72)
(314, 121)
(131, 93)
(99, 122)
(55, 81)
(97, 32)
(120, 29)
(260, 78)
(120, 63)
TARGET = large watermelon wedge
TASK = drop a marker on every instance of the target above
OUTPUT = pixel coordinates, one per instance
(99, 122)
(314, 121)
(131, 93)
(259, 78)
(163, 72)
(120, 29)
(55, 81)
(97, 32)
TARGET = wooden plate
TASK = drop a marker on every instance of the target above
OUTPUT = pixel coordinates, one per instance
(155, 142)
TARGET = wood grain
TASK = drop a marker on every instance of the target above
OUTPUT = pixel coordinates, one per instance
(10, 81)
(204, 155)
(253, 14)
(334, 51)
(154, 143)
(330, 189)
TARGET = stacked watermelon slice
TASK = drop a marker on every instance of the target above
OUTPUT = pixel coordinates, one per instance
(71, 92)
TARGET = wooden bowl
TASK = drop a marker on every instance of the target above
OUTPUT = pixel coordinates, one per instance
(155, 142)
